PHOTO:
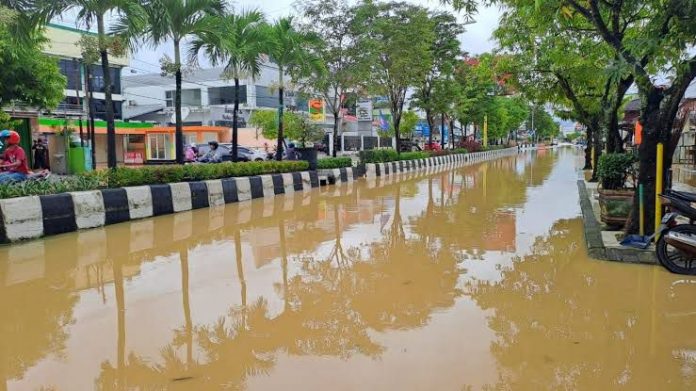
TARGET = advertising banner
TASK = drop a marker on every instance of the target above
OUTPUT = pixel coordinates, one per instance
(364, 110)
(316, 110)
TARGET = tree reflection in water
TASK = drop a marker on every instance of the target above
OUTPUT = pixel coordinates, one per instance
(554, 310)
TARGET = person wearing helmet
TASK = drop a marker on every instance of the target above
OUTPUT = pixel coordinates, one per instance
(214, 155)
(14, 161)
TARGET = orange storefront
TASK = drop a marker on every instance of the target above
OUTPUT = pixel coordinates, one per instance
(138, 142)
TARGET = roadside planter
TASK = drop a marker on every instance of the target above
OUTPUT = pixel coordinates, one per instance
(615, 199)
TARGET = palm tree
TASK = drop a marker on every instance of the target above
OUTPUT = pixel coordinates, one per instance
(237, 42)
(172, 20)
(287, 48)
(94, 11)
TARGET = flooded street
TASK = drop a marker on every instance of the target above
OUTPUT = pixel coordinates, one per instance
(468, 279)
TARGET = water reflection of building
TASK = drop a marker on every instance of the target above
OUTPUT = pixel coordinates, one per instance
(502, 234)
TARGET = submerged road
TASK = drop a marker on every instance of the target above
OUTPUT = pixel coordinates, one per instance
(474, 278)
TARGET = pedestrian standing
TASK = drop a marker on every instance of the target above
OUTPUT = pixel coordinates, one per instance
(40, 151)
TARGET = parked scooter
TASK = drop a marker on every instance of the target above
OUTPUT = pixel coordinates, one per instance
(676, 247)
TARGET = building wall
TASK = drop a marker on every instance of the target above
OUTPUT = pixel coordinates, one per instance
(63, 43)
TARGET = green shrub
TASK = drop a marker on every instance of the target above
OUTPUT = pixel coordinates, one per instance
(148, 175)
(460, 150)
(613, 168)
(383, 155)
(413, 155)
(334, 162)
(45, 187)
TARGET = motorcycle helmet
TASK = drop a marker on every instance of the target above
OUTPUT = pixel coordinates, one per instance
(13, 138)
(4, 133)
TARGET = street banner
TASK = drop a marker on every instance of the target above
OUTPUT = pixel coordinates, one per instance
(364, 109)
(316, 110)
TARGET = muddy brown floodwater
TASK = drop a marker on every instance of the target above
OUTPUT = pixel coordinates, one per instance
(474, 278)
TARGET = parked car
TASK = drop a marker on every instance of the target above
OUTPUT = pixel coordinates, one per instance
(247, 154)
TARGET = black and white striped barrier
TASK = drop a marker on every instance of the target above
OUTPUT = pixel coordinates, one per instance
(37, 216)
(383, 169)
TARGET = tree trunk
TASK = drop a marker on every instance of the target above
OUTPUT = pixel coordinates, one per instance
(335, 133)
(90, 107)
(431, 126)
(279, 146)
(597, 144)
(396, 117)
(108, 101)
(235, 122)
(179, 132)
(589, 134)
(452, 133)
(442, 130)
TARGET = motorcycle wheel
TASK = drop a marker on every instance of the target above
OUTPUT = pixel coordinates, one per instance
(673, 259)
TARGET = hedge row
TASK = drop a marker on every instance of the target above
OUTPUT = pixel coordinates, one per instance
(334, 162)
(389, 155)
(148, 175)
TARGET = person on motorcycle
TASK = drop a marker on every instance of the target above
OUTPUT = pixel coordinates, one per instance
(14, 161)
(214, 155)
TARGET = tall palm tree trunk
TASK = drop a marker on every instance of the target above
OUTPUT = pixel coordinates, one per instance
(179, 132)
(235, 121)
(108, 101)
(279, 147)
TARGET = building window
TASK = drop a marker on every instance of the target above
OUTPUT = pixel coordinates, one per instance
(100, 109)
(225, 95)
(265, 98)
(188, 98)
(71, 70)
(97, 75)
(159, 146)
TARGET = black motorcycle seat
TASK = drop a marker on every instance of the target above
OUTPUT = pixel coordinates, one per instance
(681, 206)
(689, 197)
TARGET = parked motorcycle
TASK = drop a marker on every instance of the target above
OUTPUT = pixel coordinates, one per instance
(676, 247)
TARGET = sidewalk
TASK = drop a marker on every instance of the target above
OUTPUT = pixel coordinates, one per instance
(603, 244)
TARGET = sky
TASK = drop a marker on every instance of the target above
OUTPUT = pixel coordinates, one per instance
(476, 40)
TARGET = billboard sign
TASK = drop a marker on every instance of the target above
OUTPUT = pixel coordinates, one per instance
(316, 110)
(364, 109)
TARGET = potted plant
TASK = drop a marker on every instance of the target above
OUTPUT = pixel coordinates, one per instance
(615, 198)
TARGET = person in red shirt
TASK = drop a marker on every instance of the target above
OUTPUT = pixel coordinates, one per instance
(14, 161)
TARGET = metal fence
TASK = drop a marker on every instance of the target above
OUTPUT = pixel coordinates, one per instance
(386, 142)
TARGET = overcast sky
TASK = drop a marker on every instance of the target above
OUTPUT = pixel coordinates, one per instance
(477, 38)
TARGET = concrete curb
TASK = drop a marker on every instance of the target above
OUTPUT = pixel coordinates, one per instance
(596, 246)
(373, 170)
(37, 216)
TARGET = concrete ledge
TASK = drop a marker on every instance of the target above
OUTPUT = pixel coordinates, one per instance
(603, 245)
(37, 216)
(373, 170)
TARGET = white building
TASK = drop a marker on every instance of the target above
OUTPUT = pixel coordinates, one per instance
(207, 97)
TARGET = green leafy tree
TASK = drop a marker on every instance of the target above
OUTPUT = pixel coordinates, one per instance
(434, 94)
(556, 61)
(543, 124)
(236, 42)
(162, 21)
(287, 47)
(396, 44)
(296, 126)
(27, 74)
(658, 39)
(332, 22)
(476, 81)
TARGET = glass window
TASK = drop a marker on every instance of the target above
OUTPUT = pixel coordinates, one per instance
(71, 70)
(188, 97)
(225, 95)
(97, 76)
(159, 146)
(265, 98)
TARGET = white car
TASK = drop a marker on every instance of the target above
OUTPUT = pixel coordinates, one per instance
(248, 154)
